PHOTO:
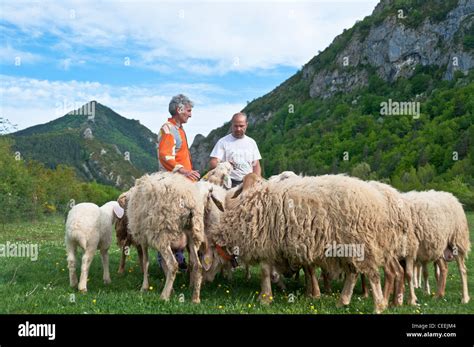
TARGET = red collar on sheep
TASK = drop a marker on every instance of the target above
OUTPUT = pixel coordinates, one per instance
(226, 256)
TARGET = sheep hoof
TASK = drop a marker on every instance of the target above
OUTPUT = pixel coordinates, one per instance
(83, 290)
(265, 299)
(340, 304)
(379, 310)
(196, 300)
(397, 302)
(121, 271)
(465, 300)
(73, 284)
(164, 298)
(144, 289)
(107, 281)
(313, 296)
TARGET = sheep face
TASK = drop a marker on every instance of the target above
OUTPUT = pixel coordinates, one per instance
(220, 175)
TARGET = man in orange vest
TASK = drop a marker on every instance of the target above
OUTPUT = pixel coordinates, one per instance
(173, 151)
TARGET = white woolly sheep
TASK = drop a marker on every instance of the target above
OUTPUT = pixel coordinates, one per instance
(167, 211)
(441, 227)
(90, 227)
(401, 222)
(293, 222)
(162, 209)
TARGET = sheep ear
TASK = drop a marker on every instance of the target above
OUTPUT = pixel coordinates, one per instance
(237, 192)
(118, 211)
(227, 182)
(217, 202)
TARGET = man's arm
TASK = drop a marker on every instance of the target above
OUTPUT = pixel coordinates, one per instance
(257, 168)
(213, 163)
(217, 155)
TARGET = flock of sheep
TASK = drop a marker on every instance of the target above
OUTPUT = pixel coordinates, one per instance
(284, 224)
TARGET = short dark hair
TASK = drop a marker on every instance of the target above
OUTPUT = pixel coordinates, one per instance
(239, 114)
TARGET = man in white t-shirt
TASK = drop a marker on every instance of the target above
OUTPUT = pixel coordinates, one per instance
(238, 149)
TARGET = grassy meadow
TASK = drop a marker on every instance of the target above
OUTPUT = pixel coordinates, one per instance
(42, 286)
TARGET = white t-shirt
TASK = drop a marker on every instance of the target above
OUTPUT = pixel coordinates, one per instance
(241, 152)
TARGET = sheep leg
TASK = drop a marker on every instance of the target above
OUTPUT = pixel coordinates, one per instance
(389, 281)
(312, 287)
(140, 256)
(307, 279)
(463, 274)
(266, 284)
(326, 281)
(417, 268)
(365, 288)
(227, 272)
(379, 301)
(105, 265)
(281, 284)
(426, 280)
(121, 268)
(297, 275)
(86, 263)
(441, 285)
(399, 284)
(196, 271)
(409, 265)
(146, 263)
(346, 294)
(416, 278)
(71, 264)
(436, 272)
(248, 274)
(172, 268)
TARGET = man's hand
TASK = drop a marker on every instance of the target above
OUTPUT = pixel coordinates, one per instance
(193, 175)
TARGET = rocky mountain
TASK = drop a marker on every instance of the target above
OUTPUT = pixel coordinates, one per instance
(397, 37)
(98, 142)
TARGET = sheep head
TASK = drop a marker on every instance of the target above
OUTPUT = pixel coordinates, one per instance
(122, 199)
(250, 180)
(220, 175)
(282, 176)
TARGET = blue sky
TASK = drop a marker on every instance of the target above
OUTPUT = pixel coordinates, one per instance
(133, 56)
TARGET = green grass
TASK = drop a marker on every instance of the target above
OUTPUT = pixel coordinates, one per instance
(42, 286)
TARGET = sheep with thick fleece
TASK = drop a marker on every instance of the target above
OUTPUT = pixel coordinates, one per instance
(166, 211)
(441, 227)
(163, 208)
(401, 221)
(295, 221)
(90, 227)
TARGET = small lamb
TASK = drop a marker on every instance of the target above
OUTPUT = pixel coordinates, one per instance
(90, 227)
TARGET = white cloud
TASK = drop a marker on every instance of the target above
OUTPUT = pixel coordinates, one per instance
(12, 56)
(27, 102)
(203, 37)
